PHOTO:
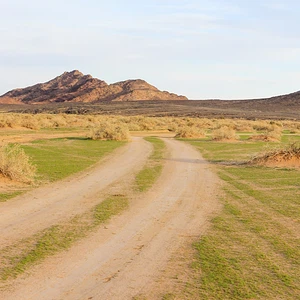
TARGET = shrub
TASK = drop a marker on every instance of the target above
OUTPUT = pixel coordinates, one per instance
(190, 132)
(269, 136)
(262, 126)
(59, 121)
(224, 133)
(274, 135)
(243, 125)
(30, 123)
(290, 153)
(9, 120)
(110, 132)
(15, 164)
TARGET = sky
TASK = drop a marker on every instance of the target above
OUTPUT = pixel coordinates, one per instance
(203, 49)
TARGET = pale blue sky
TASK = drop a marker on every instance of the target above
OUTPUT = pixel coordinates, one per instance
(226, 49)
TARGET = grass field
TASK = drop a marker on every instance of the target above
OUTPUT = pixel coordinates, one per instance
(58, 158)
(252, 250)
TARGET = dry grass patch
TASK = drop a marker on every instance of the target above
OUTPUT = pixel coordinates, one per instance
(274, 134)
(137, 123)
(263, 138)
(110, 132)
(15, 164)
(30, 122)
(224, 134)
(188, 132)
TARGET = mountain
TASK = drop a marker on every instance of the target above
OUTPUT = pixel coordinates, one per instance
(76, 87)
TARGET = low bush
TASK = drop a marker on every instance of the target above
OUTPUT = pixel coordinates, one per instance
(30, 123)
(290, 153)
(190, 132)
(15, 164)
(275, 135)
(269, 136)
(224, 133)
(243, 126)
(112, 132)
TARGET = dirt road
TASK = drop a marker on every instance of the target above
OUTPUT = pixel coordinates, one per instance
(124, 258)
(48, 205)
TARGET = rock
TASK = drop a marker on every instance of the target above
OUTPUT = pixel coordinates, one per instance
(77, 87)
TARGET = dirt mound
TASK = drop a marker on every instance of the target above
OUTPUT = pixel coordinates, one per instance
(286, 158)
(76, 87)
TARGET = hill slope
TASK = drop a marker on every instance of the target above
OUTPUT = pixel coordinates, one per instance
(76, 87)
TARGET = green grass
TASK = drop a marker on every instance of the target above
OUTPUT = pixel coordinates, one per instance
(6, 196)
(18, 258)
(58, 158)
(252, 250)
(149, 174)
(290, 138)
(168, 296)
(111, 206)
(228, 152)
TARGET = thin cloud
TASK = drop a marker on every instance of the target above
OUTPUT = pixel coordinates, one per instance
(223, 44)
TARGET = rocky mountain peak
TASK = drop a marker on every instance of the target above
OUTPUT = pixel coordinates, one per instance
(76, 87)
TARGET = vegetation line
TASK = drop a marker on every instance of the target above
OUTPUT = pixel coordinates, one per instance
(149, 174)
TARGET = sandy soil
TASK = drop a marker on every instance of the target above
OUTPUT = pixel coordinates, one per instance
(126, 257)
(293, 162)
(8, 185)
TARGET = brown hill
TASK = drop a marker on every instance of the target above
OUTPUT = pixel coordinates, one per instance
(76, 87)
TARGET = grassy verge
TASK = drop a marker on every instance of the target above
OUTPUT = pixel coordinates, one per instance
(6, 196)
(148, 175)
(58, 158)
(252, 249)
(18, 258)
